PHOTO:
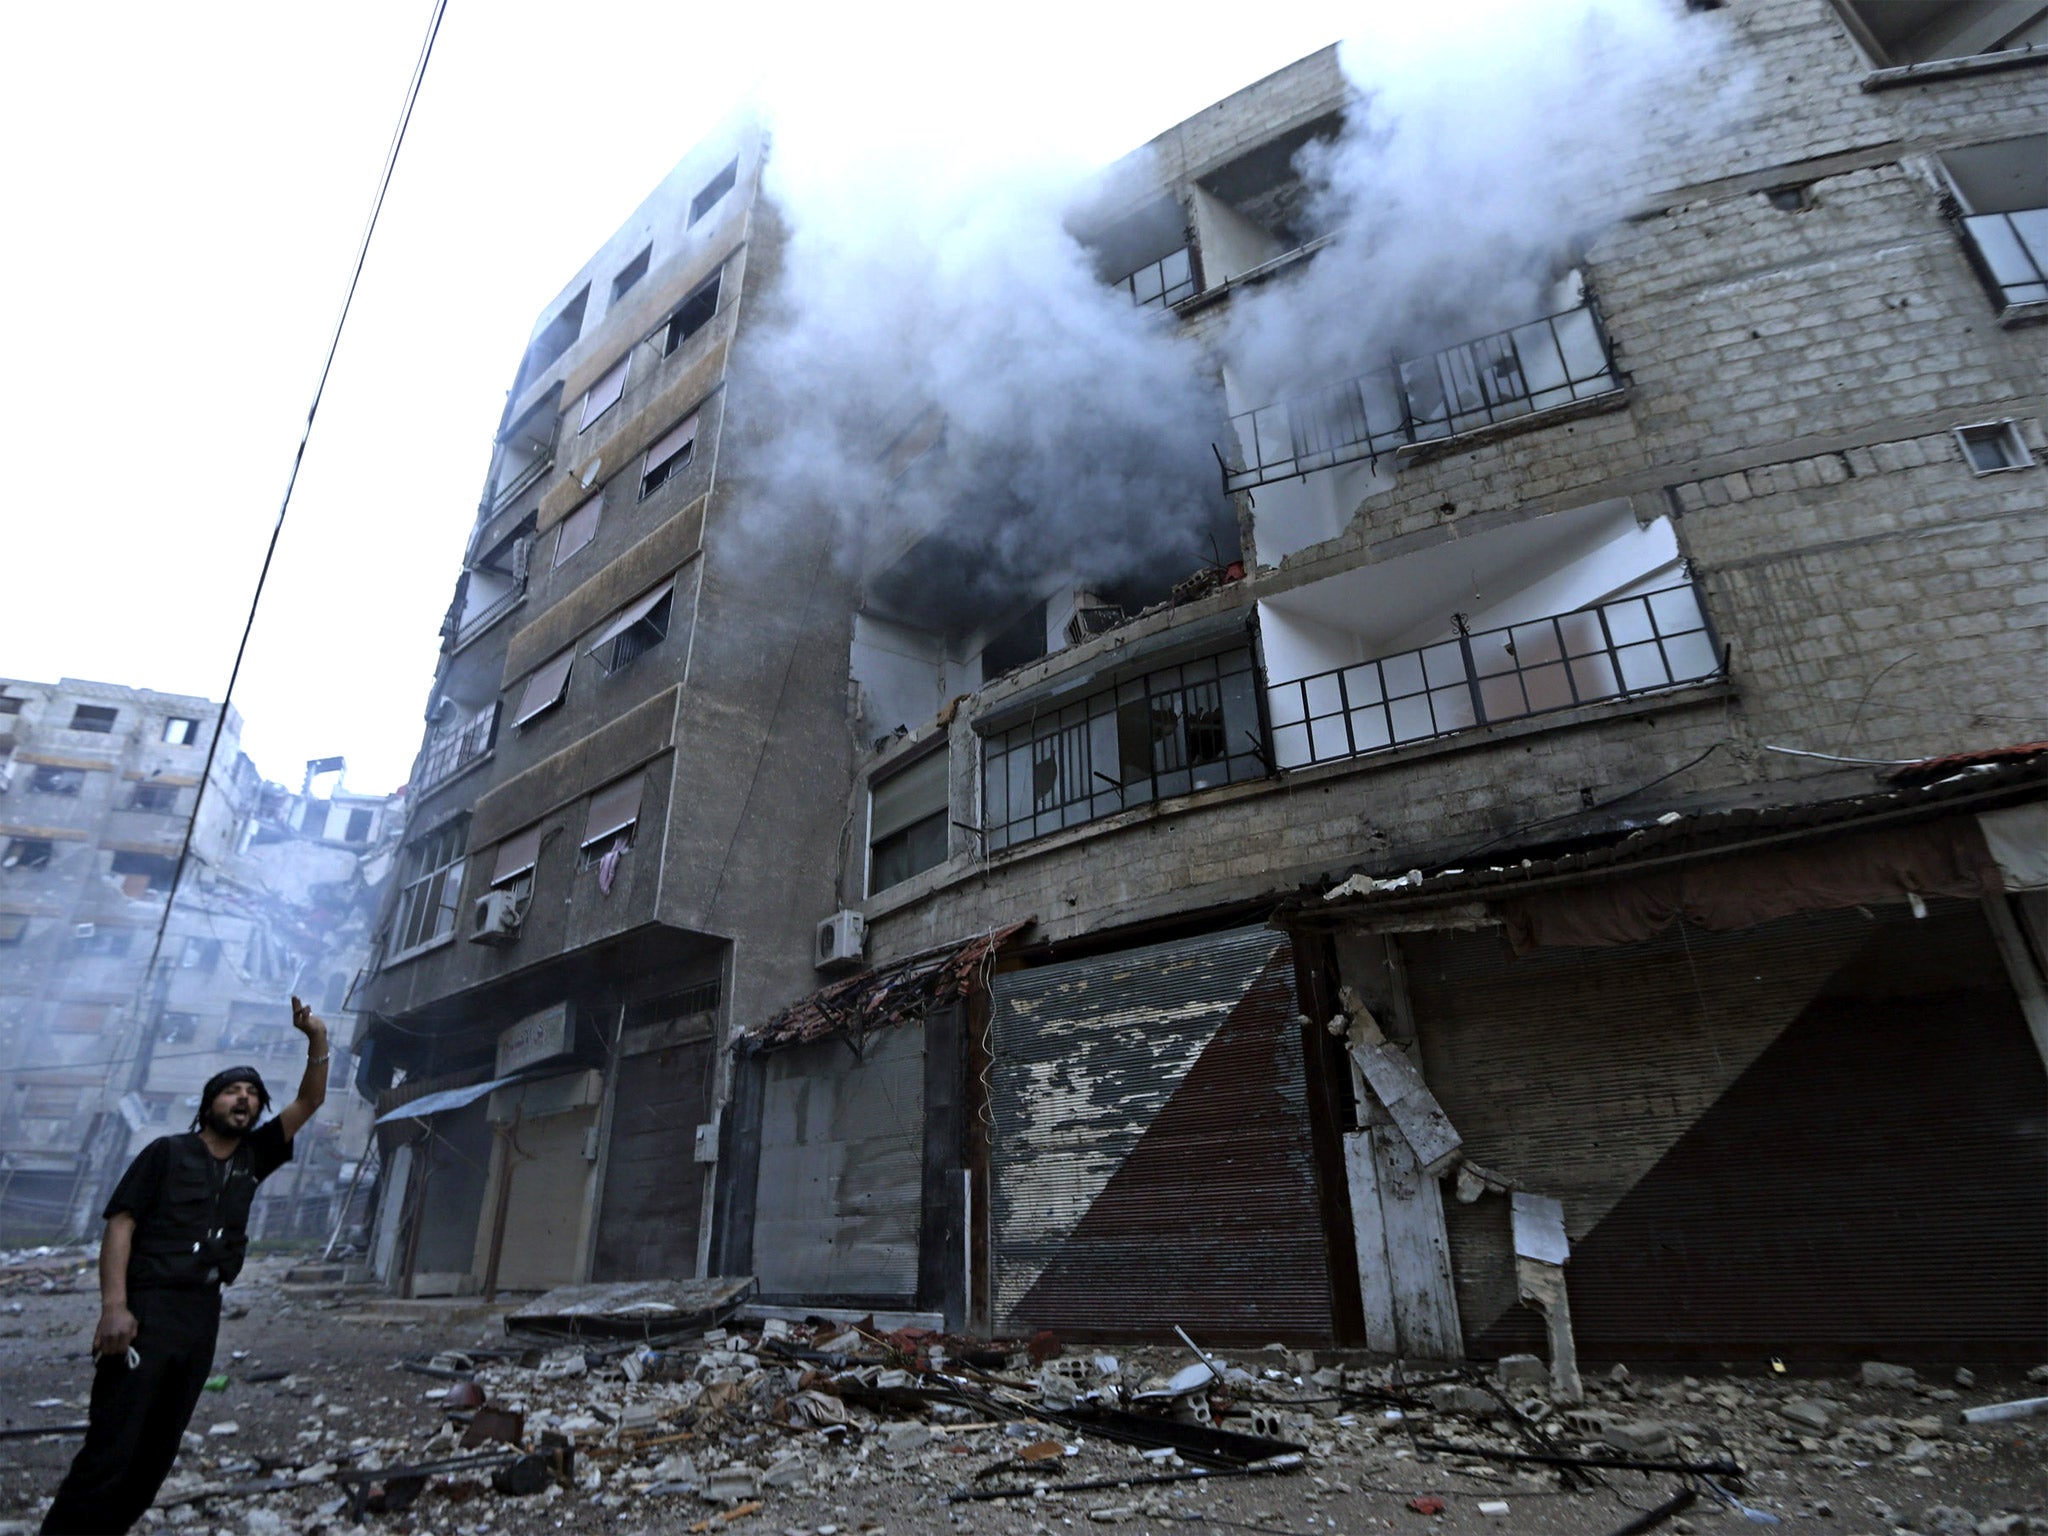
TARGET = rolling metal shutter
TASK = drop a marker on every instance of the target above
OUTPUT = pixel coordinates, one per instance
(653, 1183)
(1825, 1136)
(1152, 1159)
(839, 1203)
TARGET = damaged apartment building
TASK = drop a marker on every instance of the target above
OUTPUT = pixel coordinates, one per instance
(98, 1052)
(1569, 868)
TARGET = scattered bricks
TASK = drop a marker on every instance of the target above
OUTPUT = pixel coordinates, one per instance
(785, 1472)
(1522, 1371)
(1646, 1437)
(1809, 1413)
(1877, 1374)
(1457, 1397)
(731, 1485)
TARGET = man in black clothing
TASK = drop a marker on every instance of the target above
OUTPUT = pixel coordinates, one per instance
(177, 1228)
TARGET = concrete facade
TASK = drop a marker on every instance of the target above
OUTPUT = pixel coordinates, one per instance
(1813, 443)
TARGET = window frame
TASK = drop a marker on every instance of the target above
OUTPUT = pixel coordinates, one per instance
(618, 370)
(714, 191)
(655, 474)
(531, 710)
(50, 779)
(21, 852)
(684, 321)
(594, 505)
(95, 726)
(903, 833)
(627, 278)
(430, 897)
(189, 737)
(2005, 433)
(145, 791)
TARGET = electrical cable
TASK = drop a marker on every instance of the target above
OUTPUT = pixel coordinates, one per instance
(412, 94)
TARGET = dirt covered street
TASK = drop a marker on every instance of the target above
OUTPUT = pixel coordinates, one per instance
(759, 1431)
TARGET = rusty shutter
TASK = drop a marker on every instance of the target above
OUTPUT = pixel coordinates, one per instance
(653, 1183)
(1825, 1136)
(1152, 1161)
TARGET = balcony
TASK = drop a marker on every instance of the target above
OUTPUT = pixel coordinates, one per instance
(1551, 362)
(1164, 282)
(450, 753)
(1606, 652)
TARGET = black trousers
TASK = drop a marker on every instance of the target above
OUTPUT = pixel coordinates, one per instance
(138, 1414)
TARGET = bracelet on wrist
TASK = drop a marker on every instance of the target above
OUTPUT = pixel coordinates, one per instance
(316, 1061)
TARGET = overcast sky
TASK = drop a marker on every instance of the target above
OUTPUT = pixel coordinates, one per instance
(186, 185)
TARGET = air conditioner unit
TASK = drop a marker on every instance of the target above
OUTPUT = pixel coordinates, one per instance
(839, 942)
(495, 918)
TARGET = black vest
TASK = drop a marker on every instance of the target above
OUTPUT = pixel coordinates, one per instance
(196, 1232)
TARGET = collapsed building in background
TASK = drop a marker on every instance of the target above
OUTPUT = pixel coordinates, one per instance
(1567, 862)
(98, 1054)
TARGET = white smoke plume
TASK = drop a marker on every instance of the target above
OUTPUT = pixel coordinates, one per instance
(925, 281)
(1488, 142)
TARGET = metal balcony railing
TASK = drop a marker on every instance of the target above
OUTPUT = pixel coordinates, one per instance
(448, 755)
(484, 618)
(1611, 650)
(2010, 252)
(1534, 367)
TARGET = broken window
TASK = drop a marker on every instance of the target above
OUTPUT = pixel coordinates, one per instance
(27, 853)
(181, 731)
(177, 1028)
(1164, 282)
(631, 273)
(358, 828)
(636, 631)
(154, 797)
(1169, 732)
(555, 338)
(714, 189)
(605, 393)
(613, 817)
(13, 927)
(97, 718)
(693, 314)
(2001, 211)
(145, 873)
(1993, 445)
(433, 886)
(98, 939)
(908, 821)
(546, 686)
(1022, 640)
(57, 781)
(577, 529)
(199, 955)
(1897, 35)
(669, 456)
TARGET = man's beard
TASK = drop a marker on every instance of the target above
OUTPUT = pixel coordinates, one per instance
(222, 1124)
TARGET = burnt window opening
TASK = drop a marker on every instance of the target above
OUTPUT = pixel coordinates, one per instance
(909, 825)
(10, 705)
(97, 718)
(1021, 640)
(57, 781)
(177, 1029)
(181, 731)
(358, 829)
(27, 853)
(1991, 446)
(715, 189)
(199, 955)
(1169, 732)
(145, 872)
(631, 273)
(154, 797)
(669, 456)
(693, 314)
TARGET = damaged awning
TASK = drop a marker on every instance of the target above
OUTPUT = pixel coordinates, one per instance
(1893, 844)
(874, 999)
(447, 1099)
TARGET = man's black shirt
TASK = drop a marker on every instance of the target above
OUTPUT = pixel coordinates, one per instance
(191, 1208)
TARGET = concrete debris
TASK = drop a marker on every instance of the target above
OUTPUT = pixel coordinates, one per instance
(1876, 1374)
(1810, 1413)
(1644, 1438)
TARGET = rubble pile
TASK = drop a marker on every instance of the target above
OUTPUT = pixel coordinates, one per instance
(713, 1430)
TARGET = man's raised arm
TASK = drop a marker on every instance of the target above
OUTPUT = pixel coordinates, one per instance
(313, 1086)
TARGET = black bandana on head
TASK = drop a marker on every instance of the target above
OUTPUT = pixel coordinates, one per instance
(221, 1080)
